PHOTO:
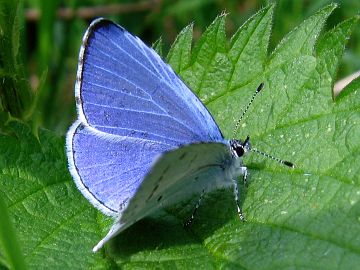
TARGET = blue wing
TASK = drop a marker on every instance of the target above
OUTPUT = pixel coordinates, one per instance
(127, 99)
(108, 169)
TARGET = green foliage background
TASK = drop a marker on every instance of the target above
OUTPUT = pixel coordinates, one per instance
(45, 49)
(304, 218)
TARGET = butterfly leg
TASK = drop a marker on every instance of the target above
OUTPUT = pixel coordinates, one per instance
(244, 172)
(190, 220)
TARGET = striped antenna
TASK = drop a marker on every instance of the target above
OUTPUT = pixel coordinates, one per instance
(260, 87)
(284, 162)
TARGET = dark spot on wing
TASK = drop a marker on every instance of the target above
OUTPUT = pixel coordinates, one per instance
(153, 191)
(144, 134)
(166, 169)
(192, 160)
(159, 199)
(182, 156)
(78, 100)
(81, 126)
(123, 204)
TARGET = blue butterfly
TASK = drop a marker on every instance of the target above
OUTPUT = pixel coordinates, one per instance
(142, 140)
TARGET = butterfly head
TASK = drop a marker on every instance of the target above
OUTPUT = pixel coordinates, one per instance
(239, 148)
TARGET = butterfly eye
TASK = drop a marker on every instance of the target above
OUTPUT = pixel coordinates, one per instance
(239, 151)
(237, 148)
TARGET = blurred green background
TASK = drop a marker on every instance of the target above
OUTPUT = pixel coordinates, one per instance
(40, 41)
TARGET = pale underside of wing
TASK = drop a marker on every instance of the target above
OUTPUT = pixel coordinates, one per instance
(177, 175)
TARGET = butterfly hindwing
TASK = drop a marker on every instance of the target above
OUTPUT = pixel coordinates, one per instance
(96, 161)
(176, 175)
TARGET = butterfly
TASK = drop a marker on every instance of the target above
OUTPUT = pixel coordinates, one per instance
(143, 140)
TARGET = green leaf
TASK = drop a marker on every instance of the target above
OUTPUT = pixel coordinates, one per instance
(15, 92)
(248, 49)
(180, 52)
(56, 226)
(302, 39)
(8, 240)
(307, 217)
(207, 59)
(158, 46)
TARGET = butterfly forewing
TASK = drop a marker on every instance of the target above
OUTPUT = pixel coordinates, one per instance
(124, 88)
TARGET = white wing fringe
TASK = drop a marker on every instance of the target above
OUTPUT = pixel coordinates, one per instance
(114, 230)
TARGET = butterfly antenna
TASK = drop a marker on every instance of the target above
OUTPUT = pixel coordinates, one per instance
(260, 87)
(284, 162)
